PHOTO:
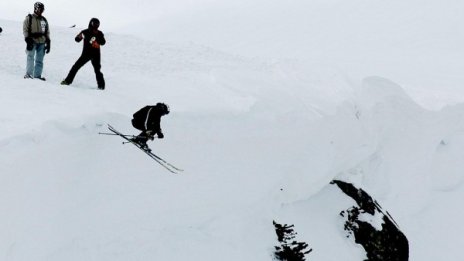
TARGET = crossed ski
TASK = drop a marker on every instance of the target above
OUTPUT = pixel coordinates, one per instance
(171, 168)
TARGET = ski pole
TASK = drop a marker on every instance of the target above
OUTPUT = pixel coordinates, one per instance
(104, 133)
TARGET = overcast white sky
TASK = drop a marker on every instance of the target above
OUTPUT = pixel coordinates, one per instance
(112, 13)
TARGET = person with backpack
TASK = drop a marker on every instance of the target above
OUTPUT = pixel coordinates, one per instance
(37, 36)
(148, 120)
(93, 39)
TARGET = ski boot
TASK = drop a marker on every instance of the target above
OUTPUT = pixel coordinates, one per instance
(141, 142)
(145, 147)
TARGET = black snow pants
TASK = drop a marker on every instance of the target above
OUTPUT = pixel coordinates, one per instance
(95, 59)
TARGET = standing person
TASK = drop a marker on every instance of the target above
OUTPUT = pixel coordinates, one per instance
(148, 120)
(37, 36)
(93, 39)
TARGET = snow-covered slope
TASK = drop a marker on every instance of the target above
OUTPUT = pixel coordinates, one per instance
(418, 43)
(71, 193)
(259, 139)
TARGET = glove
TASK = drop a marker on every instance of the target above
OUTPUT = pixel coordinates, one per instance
(160, 135)
(47, 46)
(150, 135)
(29, 43)
(79, 37)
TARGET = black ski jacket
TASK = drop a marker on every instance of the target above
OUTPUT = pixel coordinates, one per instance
(90, 48)
(148, 118)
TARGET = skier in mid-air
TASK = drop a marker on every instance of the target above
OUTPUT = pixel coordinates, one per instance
(148, 120)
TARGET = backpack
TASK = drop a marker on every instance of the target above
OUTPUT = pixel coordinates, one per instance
(140, 118)
(30, 24)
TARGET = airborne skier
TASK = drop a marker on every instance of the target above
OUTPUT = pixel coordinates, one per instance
(148, 120)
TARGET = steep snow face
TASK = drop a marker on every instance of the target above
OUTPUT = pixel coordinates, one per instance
(387, 144)
(235, 122)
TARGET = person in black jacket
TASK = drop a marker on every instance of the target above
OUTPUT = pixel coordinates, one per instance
(93, 39)
(148, 120)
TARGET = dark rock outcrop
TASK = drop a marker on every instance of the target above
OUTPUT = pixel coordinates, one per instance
(289, 249)
(387, 244)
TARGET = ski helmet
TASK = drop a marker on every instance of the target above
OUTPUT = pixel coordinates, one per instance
(163, 108)
(38, 6)
(94, 23)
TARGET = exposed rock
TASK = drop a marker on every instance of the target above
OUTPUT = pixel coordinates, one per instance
(289, 249)
(387, 243)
